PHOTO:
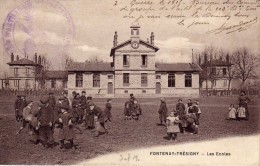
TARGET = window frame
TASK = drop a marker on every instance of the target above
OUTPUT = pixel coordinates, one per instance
(126, 79)
(79, 80)
(144, 79)
(144, 58)
(126, 60)
(96, 79)
(188, 80)
(171, 80)
(16, 71)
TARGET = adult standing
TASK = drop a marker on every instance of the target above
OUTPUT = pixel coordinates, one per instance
(163, 111)
(243, 101)
(180, 108)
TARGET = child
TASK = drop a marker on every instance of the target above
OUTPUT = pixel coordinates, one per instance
(27, 115)
(232, 112)
(199, 110)
(163, 111)
(127, 110)
(66, 131)
(241, 113)
(107, 111)
(172, 123)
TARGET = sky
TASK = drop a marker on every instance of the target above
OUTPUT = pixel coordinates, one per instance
(84, 29)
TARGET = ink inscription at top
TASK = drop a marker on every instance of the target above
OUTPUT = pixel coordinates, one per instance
(212, 16)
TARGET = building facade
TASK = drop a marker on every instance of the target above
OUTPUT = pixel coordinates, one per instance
(22, 74)
(134, 70)
(219, 74)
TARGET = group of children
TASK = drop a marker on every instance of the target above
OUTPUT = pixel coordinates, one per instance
(132, 109)
(64, 115)
(238, 113)
(180, 119)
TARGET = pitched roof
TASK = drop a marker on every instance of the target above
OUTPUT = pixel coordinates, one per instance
(128, 42)
(90, 66)
(23, 62)
(178, 67)
(55, 74)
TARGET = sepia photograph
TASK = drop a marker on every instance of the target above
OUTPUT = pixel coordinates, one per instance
(130, 82)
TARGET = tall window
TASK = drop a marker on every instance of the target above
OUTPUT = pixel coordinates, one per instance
(79, 79)
(144, 60)
(225, 83)
(188, 80)
(16, 71)
(96, 80)
(27, 70)
(144, 80)
(64, 83)
(171, 80)
(213, 71)
(126, 60)
(126, 78)
(224, 71)
(53, 83)
(27, 83)
(16, 83)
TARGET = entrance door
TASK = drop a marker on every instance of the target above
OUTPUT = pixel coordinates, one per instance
(158, 88)
(110, 88)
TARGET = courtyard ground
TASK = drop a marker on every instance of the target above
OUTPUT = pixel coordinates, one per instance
(123, 134)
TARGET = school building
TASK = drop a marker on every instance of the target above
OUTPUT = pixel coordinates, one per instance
(134, 70)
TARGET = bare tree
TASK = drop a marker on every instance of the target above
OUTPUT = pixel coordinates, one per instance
(245, 64)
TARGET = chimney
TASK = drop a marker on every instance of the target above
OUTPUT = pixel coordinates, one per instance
(199, 60)
(17, 57)
(205, 59)
(12, 57)
(148, 40)
(115, 39)
(39, 60)
(152, 38)
(35, 57)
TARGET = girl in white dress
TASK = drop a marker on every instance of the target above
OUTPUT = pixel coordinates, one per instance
(232, 112)
(172, 123)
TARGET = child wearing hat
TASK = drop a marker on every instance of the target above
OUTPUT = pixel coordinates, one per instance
(66, 132)
(95, 110)
(163, 111)
(172, 123)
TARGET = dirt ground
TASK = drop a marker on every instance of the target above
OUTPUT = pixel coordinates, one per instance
(123, 134)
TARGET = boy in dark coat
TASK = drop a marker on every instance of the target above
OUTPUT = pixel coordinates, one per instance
(95, 110)
(107, 111)
(83, 104)
(89, 118)
(16, 107)
(243, 101)
(180, 108)
(66, 131)
(52, 100)
(23, 104)
(45, 118)
(76, 111)
(163, 112)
